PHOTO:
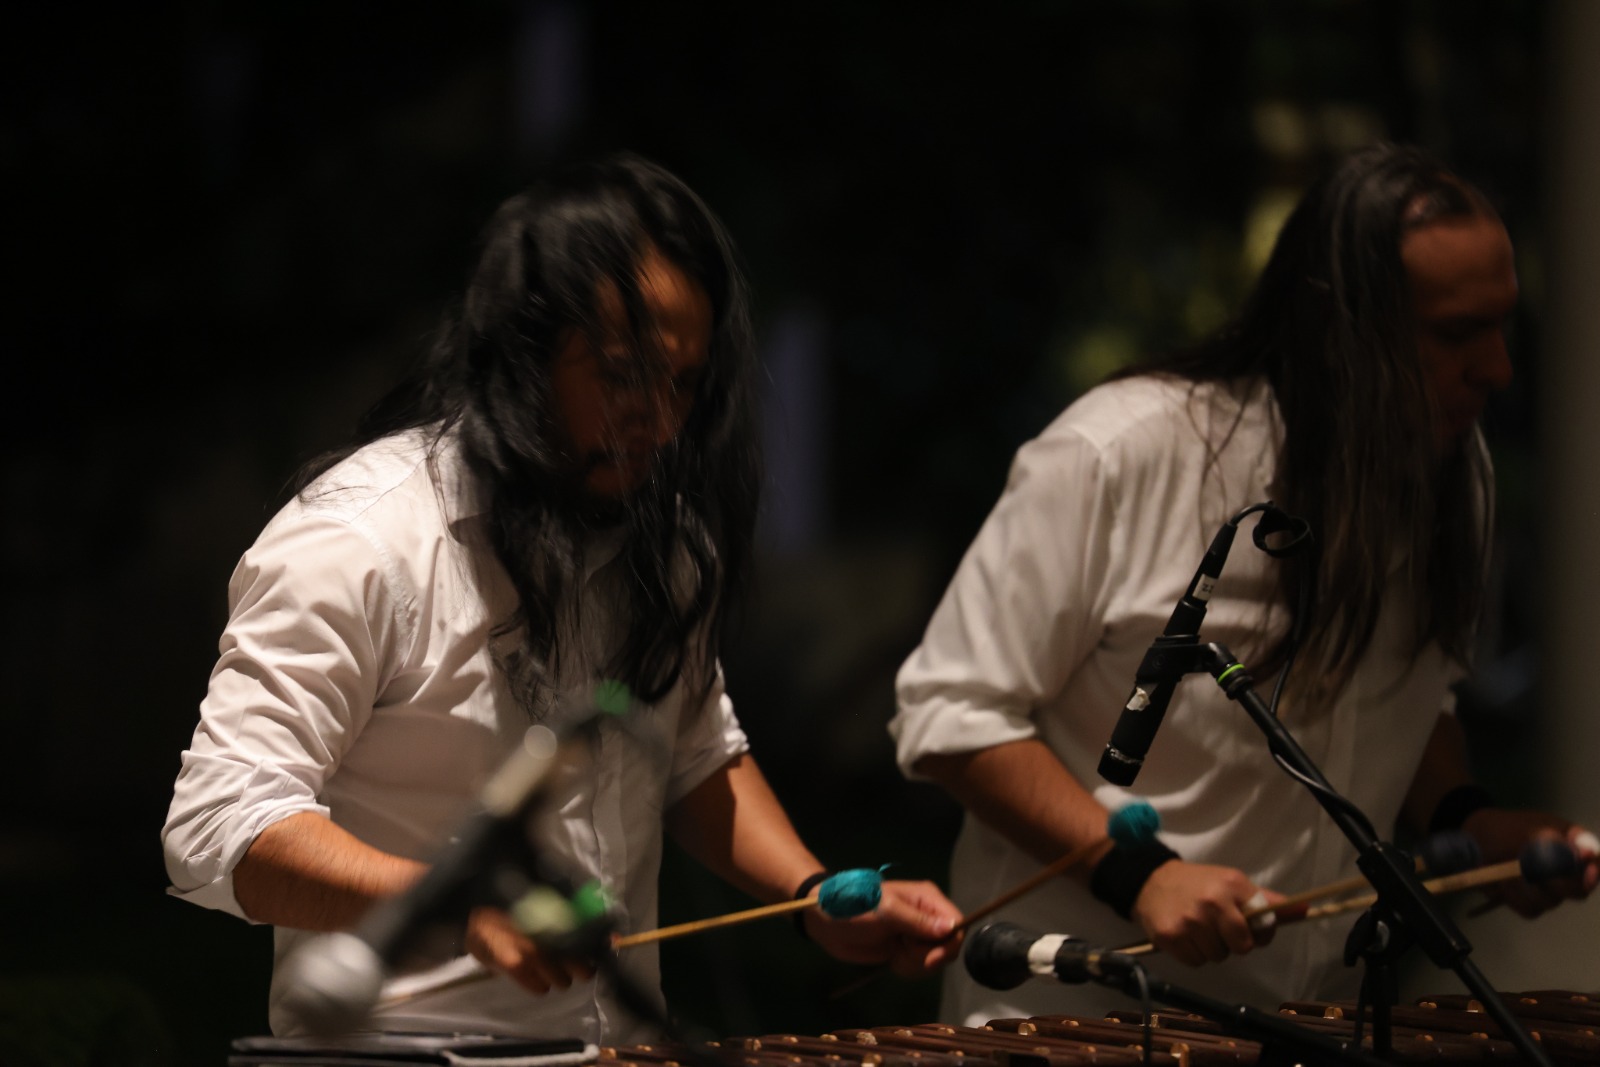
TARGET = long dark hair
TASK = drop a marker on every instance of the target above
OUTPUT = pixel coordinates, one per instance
(1330, 328)
(547, 254)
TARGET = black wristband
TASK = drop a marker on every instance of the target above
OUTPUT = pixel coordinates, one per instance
(811, 882)
(1456, 805)
(1117, 879)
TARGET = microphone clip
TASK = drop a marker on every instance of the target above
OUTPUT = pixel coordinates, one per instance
(1178, 651)
(1169, 659)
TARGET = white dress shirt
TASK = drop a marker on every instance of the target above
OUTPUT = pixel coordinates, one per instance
(1101, 526)
(356, 681)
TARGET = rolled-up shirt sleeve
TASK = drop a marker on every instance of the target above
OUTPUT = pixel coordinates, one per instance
(709, 735)
(1025, 607)
(316, 615)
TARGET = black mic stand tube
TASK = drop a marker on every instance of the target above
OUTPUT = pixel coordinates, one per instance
(1277, 1035)
(1405, 911)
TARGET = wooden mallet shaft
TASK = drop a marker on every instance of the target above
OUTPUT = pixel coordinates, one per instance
(1056, 868)
(644, 937)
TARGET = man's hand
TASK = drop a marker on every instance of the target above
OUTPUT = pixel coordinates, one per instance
(1194, 912)
(909, 930)
(1501, 835)
(494, 940)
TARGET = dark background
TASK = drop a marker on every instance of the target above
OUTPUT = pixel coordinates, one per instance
(229, 226)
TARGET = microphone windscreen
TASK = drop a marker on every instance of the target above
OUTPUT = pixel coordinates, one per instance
(333, 983)
(997, 955)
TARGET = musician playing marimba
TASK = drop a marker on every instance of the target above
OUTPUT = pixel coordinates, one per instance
(1348, 391)
(564, 495)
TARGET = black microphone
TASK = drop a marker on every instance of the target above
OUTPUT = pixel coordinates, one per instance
(334, 980)
(1004, 955)
(1153, 685)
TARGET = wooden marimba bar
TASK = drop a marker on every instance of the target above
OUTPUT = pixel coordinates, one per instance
(1443, 1030)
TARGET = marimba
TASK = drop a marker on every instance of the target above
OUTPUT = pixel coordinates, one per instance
(1442, 1030)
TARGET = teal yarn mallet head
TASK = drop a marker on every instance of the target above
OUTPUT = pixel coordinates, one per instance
(1134, 823)
(850, 893)
(844, 895)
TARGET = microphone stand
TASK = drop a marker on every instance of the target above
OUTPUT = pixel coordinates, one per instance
(1405, 913)
(491, 859)
(1282, 1042)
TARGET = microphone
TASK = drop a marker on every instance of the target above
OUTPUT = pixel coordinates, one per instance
(1152, 686)
(1004, 955)
(334, 980)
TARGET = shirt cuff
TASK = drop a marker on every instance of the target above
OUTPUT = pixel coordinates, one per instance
(218, 895)
(714, 739)
(942, 728)
(201, 857)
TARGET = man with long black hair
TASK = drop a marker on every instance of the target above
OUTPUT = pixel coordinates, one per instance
(1348, 392)
(562, 497)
